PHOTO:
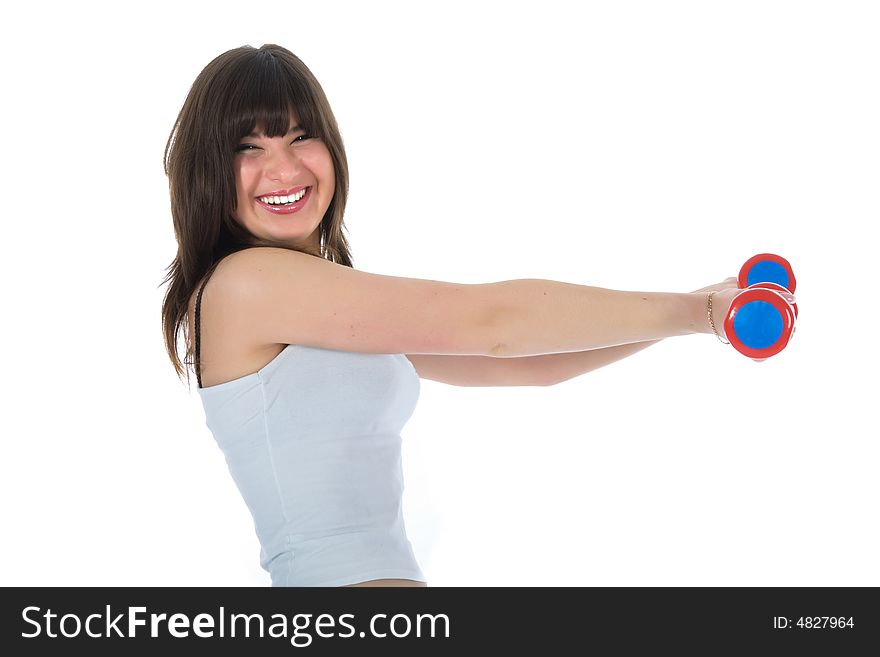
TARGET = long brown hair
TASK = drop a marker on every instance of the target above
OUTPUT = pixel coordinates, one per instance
(241, 89)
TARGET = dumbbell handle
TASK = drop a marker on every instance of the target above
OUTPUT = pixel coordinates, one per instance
(783, 291)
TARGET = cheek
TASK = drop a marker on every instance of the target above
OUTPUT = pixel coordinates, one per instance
(321, 164)
(242, 184)
(246, 177)
(245, 173)
(331, 176)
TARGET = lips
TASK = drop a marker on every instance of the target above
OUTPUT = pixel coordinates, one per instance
(287, 209)
(283, 192)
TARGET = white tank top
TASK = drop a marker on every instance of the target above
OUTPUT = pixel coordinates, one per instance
(313, 442)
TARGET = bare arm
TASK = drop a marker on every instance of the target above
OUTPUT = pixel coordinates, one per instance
(537, 316)
(276, 296)
(542, 370)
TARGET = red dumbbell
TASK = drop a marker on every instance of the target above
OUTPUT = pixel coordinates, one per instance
(762, 317)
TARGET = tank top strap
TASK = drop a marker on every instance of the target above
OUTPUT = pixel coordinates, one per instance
(198, 328)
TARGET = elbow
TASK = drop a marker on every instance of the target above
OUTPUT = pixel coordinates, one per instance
(498, 350)
(492, 315)
(495, 331)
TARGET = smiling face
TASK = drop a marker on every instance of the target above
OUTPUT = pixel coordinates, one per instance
(284, 185)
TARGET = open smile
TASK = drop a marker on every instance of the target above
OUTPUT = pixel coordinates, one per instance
(293, 201)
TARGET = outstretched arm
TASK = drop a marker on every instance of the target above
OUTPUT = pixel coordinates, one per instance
(541, 370)
(279, 296)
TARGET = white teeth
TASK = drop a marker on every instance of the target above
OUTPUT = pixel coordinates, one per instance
(275, 200)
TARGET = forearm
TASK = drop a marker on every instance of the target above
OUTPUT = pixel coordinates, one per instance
(557, 368)
(537, 316)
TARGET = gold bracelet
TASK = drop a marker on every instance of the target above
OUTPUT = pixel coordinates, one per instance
(712, 321)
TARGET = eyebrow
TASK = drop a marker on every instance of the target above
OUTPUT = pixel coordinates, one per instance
(293, 128)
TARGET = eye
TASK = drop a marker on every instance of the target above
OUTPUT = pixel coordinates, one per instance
(246, 147)
(302, 137)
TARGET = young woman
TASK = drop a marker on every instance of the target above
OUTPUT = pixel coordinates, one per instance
(307, 368)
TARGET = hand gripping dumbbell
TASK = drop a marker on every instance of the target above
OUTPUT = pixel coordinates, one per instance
(761, 319)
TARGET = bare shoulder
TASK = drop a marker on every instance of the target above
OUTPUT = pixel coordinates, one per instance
(234, 279)
(236, 274)
(236, 268)
(257, 256)
(277, 295)
(229, 349)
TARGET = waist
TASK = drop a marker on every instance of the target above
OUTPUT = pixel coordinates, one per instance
(343, 558)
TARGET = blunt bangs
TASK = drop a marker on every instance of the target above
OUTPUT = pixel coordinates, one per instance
(263, 93)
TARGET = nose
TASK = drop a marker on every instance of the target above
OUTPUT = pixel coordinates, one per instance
(283, 165)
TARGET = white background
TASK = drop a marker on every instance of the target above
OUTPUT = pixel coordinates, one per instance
(631, 145)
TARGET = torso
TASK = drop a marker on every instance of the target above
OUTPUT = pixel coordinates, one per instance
(227, 357)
